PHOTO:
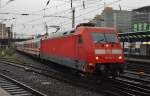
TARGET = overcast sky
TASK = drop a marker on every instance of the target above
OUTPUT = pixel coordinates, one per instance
(57, 12)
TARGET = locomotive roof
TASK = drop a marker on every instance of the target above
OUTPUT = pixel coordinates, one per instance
(105, 28)
(93, 28)
(76, 32)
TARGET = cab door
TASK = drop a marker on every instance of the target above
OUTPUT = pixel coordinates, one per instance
(80, 49)
(80, 53)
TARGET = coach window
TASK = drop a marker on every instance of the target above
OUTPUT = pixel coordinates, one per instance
(80, 41)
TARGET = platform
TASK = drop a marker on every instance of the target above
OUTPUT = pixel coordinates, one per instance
(3, 93)
(137, 60)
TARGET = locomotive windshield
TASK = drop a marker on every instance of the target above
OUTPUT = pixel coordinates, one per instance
(104, 37)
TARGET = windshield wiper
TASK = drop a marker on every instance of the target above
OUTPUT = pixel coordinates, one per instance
(99, 40)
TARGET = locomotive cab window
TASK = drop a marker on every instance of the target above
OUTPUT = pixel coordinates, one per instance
(98, 37)
(104, 37)
(111, 37)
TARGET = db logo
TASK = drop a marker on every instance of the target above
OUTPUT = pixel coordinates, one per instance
(108, 51)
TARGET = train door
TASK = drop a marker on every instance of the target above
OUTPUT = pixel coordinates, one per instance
(80, 54)
(80, 47)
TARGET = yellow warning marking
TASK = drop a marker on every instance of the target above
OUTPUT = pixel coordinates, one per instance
(140, 72)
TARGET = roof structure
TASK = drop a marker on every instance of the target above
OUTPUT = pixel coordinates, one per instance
(135, 36)
(143, 9)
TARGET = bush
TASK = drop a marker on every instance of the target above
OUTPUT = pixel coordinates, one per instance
(6, 52)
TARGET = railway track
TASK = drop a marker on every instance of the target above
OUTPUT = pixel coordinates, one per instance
(131, 86)
(141, 77)
(138, 66)
(135, 88)
(72, 79)
(15, 88)
(29, 68)
(126, 89)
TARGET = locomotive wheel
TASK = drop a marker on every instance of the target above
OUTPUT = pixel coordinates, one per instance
(115, 73)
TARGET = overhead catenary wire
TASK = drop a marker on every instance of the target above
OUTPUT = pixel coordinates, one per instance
(93, 10)
(29, 14)
(78, 16)
(6, 3)
(56, 6)
(23, 14)
(64, 23)
(63, 11)
(98, 8)
(86, 12)
(26, 14)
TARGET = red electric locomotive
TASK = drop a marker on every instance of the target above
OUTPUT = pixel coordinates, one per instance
(87, 49)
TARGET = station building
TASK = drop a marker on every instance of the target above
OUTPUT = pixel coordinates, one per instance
(141, 19)
(5, 36)
(141, 23)
(137, 20)
(121, 19)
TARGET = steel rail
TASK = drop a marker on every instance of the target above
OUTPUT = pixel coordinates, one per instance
(134, 88)
(71, 79)
(16, 88)
(131, 87)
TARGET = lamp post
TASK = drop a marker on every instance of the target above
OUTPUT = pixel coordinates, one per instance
(73, 17)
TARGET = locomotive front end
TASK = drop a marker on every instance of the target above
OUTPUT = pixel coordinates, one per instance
(108, 52)
(107, 57)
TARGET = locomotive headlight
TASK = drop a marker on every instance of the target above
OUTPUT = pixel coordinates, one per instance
(120, 57)
(106, 45)
(90, 64)
(96, 57)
